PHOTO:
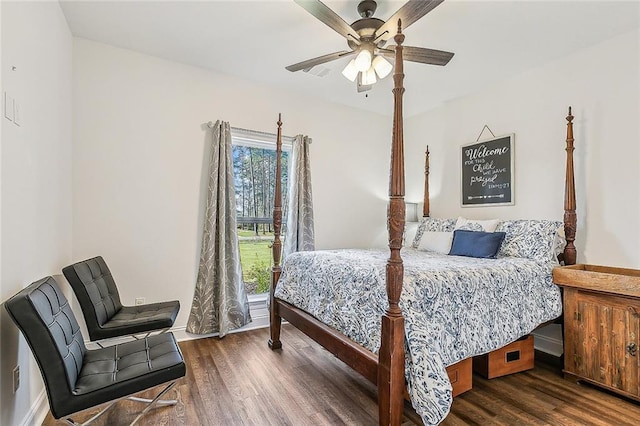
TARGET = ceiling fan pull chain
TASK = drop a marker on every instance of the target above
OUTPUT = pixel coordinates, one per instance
(482, 131)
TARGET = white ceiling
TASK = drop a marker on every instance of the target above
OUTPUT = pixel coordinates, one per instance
(492, 40)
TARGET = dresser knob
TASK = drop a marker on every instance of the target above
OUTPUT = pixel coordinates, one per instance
(632, 348)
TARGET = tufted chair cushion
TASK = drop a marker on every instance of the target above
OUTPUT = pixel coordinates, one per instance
(105, 316)
(115, 365)
(77, 378)
(95, 289)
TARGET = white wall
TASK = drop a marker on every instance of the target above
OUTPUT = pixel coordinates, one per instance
(602, 84)
(35, 166)
(139, 162)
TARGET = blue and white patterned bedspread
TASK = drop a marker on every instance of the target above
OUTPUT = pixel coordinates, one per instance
(454, 307)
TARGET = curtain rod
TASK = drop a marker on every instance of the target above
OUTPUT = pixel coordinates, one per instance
(210, 124)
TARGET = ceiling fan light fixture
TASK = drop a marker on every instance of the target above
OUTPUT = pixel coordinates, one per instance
(350, 71)
(362, 62)
(382, 66)
(369, 77)
(366, 38)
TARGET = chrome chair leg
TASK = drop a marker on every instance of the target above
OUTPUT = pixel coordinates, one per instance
(70, 421)
(132, 336)
(152, 403)
(160, 402)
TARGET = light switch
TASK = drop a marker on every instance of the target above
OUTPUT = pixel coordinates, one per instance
(17, 118)
(8, 107)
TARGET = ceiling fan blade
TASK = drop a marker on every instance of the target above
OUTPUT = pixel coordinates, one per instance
(319, 60)
(409, 13)
(329, 17)
(420, 54)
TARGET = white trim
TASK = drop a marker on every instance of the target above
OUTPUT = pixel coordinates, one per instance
(257, 302)
(259, 317)
(548, 343)
(242, 137)
(38, 411)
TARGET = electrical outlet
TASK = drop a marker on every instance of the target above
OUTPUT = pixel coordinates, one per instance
(16, 378)
(139, 301)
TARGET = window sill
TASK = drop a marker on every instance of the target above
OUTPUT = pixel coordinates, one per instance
(258, 304)
(256, 298)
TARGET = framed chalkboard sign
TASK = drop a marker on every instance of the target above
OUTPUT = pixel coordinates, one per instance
(487, 172)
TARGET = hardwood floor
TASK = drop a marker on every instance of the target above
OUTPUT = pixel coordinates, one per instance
(239, 381)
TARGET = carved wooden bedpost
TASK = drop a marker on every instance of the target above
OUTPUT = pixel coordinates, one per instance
(426, 206)
(570, 217)
(274, 318)
(391, 382)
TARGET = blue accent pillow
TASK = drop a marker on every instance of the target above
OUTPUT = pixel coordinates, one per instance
(476, 244)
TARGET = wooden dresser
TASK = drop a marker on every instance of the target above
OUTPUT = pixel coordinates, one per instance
(602, 326)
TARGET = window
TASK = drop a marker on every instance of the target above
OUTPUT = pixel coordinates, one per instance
(254, 169)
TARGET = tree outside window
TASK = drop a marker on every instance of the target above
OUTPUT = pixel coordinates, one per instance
(254, 168)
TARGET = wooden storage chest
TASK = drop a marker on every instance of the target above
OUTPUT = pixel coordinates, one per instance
(602, 326)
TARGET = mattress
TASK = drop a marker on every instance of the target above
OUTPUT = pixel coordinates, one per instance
(454, 307)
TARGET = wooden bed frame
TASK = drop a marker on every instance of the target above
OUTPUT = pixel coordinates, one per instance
(386, 370)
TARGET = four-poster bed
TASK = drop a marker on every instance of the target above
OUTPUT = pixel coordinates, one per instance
(386, 369)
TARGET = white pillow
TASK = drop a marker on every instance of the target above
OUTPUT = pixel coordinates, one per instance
(436, 241)
(432, 224)
(559, 242)
(476, 225)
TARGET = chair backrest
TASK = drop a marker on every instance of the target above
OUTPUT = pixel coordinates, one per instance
(96, 291)
(44, 317)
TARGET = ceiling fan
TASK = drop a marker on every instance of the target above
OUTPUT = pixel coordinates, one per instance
(366, 38)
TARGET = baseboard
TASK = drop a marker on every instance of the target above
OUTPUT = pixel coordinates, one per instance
(259, 319)
(181, 333)
(551, 344)
(38, 411)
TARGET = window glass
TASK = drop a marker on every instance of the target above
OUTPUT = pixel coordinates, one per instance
(254, 168)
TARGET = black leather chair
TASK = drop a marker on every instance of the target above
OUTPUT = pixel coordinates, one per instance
(77, 378)
(105, 316)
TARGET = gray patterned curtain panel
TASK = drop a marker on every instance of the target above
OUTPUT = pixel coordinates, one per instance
(300, 233)
(220, 301)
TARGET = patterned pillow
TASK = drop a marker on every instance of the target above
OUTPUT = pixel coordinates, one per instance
(532, 239)
(432, 224)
